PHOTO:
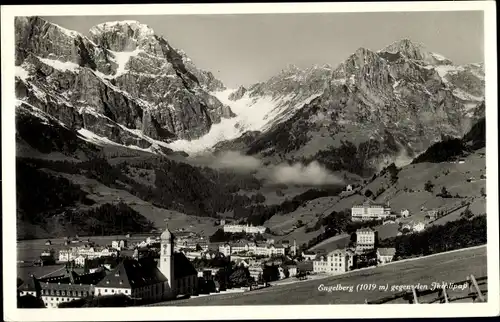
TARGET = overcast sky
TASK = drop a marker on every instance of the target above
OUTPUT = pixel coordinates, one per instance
(245, 49)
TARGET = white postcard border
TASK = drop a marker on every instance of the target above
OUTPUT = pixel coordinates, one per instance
(11, 313)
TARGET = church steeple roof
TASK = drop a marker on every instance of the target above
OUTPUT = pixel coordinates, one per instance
(167, 235)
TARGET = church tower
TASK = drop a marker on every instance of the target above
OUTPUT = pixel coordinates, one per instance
(167, 260)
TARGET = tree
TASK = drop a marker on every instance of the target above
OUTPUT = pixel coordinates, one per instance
(270, 273)
(85, 267)
(286, 272)
(428, 186)
(444, 193)
(467, 213)
(222, 277)
(368, 193)
(483, 192)
(198, 248)
(240, 277)
(353, 237)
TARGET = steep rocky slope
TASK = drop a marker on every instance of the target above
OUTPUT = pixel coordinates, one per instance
(371, 109)
(124, 83)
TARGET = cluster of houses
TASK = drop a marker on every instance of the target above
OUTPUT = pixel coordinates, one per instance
(286, 268)
(254, 249)
(146, 280)
(343, 260)
(373, 211)
(81, 253)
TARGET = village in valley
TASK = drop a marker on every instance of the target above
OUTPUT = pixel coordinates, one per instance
(181, 264)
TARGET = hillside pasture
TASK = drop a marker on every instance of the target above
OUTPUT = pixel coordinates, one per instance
(446, 267)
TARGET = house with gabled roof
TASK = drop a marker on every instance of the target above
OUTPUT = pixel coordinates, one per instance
(54, 290)
(385, 255)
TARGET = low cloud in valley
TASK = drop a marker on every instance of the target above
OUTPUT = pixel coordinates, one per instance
(299, 174)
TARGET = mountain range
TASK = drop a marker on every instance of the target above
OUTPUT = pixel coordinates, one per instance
(123, 103)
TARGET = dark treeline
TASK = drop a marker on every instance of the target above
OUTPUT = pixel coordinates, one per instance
(40, 193)
(441, 151)
(258, 214)
(232, 181)
(338, 223)
(177, 186)
(220, 236)
(457, 234)
(451, 148)
(108, 219)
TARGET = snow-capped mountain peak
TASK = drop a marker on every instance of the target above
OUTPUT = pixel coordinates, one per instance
(126, 84)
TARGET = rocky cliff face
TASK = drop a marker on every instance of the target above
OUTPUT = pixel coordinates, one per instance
(372, 108)
(124, 83)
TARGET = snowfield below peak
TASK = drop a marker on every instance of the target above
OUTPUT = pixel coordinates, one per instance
(252, 114)
(122, 58)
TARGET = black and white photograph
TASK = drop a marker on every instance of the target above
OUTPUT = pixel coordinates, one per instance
(165, 160)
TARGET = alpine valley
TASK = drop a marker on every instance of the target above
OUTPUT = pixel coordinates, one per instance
(118, 131)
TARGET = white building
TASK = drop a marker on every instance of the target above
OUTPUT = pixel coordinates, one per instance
(336, 262)
(309, 256)
(369, 211)
(385, 255)
(59, 289)
(255, 271)
(251, 248)
(244, 229)
(119, 244)
(80, 261)
(365, 239)
(320, 265)
(292, 270)
(67, 255)
(405, 213)
(418, 227)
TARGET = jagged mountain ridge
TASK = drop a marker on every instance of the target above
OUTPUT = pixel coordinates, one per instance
(262, 105)
(124, 83)
(374, 107)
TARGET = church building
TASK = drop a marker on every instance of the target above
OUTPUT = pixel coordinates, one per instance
(146, 280)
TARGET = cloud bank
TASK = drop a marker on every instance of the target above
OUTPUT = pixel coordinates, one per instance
(283, 173)
(311, 174)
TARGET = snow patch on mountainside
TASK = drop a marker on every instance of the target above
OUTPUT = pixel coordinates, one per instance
(252, 114)
(21, 73)
(102, 141)
(439, 57)
(122, 58)
(466, 96)
(91, 137)
(60, 65)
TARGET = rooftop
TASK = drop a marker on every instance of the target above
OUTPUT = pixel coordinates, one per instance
(387, 251)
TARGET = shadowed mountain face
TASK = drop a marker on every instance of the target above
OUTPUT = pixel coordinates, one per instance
(93, 112)
(124, 83)
(370, 110)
